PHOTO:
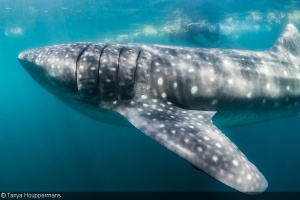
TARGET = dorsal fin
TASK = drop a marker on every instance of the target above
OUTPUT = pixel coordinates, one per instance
(288, 41)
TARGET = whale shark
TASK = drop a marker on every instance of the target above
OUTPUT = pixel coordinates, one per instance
(180, 97)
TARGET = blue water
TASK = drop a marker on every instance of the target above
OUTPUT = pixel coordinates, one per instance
(46, 146)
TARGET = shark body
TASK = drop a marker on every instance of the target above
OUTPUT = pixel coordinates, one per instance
(179, 97)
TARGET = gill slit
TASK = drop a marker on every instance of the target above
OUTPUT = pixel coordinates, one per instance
(136, 68)
(117, 76)
(99, 67)
(76, 69)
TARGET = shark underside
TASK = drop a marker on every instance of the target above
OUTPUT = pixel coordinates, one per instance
(179, 97)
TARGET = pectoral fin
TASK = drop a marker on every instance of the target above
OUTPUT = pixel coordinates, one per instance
(192, 135)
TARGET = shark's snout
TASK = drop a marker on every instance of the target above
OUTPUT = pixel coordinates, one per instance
(53, 66)
(22, 55)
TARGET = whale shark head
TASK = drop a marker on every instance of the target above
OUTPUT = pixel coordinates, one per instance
(91, 72)
(54, 67)
(72, 73)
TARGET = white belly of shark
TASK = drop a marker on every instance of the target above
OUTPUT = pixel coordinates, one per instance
(178, 96)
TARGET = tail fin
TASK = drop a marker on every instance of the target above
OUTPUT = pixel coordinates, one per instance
(288, 41)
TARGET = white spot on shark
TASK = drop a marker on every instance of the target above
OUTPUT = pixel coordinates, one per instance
(215, 158)
(160, 81)
(235, 163)
(191, 70)
(218, 145)
(249, 177)
(206, 138)
(199, 149)
(194, 89)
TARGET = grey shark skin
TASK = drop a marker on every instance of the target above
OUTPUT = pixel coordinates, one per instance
(178, 96)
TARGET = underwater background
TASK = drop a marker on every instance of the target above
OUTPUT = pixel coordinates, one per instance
(47, 146)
